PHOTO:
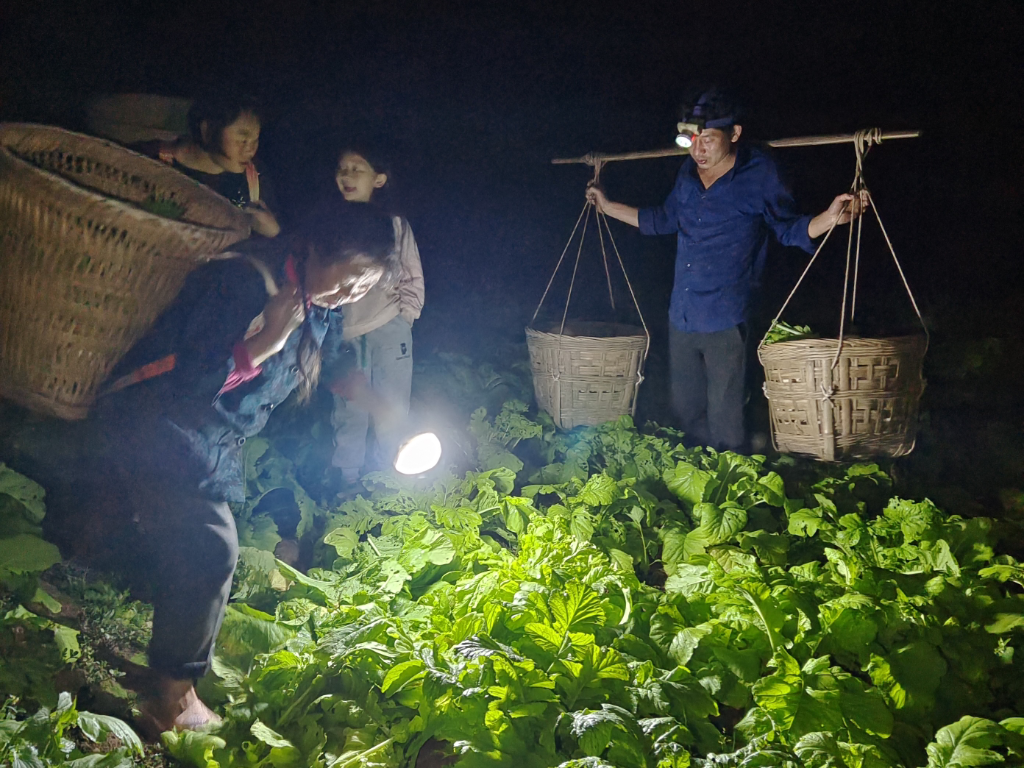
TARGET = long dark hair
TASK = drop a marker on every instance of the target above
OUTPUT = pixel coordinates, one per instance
(339, 232)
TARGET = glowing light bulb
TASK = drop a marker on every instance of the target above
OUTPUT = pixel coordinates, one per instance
(418, 454)
(687, 131)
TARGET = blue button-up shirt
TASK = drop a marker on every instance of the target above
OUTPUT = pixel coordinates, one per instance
(722, 238)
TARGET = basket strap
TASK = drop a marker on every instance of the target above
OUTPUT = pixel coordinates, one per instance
(584, 218)
(602, 227)
(798, 283)
(586, 210)
(252, 177)
(602, 218)
(167, 364)
(148, 371)
(264, 270)
(899, 268)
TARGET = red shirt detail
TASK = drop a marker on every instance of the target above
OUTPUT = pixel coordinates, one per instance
(244, 369)
(291, 271)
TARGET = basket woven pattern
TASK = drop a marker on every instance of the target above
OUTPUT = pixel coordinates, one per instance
(84, 271)
(585, 380)
(865, 406)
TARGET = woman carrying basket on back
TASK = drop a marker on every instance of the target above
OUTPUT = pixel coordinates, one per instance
(161, 456)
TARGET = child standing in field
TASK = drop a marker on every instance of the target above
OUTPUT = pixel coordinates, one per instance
(378, 329)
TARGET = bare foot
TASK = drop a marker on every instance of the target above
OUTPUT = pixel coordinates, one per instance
(195, 716)
(174, 704)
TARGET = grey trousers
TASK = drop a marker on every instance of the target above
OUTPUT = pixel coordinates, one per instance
(162, 531)
(708, 373)
(194, 547)
(385, 357)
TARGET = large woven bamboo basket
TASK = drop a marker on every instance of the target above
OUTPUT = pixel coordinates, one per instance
(84, 270)
(589, 374)
(864, 406)
(132, 117)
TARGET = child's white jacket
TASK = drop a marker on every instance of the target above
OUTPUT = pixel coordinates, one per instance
(403, 296)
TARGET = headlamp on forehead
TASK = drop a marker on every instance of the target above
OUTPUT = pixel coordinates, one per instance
(687, 131)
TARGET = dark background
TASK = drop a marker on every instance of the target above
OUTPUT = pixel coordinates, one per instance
(475, 98)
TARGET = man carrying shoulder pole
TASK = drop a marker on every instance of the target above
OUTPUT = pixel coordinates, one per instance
(726, 199)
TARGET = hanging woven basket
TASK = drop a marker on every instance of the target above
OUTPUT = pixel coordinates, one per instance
(588, 373)
(848, 397)
(864, 405)
(85, 269)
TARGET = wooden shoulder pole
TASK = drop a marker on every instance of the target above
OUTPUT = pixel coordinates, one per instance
(799, 141)
(592, 158)
(839, 138)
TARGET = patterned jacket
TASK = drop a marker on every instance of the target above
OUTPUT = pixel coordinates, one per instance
(182, 423)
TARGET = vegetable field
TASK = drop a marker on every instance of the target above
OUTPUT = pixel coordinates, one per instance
(605, 597)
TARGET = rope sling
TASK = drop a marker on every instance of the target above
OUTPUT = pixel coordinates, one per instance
(847, 397)
(862, 143)
(549, 371)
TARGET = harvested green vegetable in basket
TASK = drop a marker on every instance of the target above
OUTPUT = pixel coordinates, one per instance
(785, 332)
(168, 209)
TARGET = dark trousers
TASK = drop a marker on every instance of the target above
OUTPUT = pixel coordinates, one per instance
(707, 373)
(134, 508)
(193, 546)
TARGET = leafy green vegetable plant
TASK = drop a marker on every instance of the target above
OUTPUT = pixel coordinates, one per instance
(44, 739)
(635, 604)
(781, 331)
(607, 596)
(23, 552)
(167, 209)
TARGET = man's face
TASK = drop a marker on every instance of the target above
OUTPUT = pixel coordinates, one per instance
(713, 146)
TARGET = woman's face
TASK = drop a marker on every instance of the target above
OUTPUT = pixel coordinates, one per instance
(241, 139)
(341, 282)
(356, 178)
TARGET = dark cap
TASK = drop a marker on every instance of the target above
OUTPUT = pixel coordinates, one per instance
(716, 108)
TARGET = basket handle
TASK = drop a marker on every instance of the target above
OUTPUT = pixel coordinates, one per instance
(264, 270)
(862, 142)
(252, 180)
(601, 221)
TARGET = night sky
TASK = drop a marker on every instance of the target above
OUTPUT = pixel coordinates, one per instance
(476, 98)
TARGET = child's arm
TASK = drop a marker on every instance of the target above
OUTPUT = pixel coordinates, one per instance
(410, 285)
(262, 219)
